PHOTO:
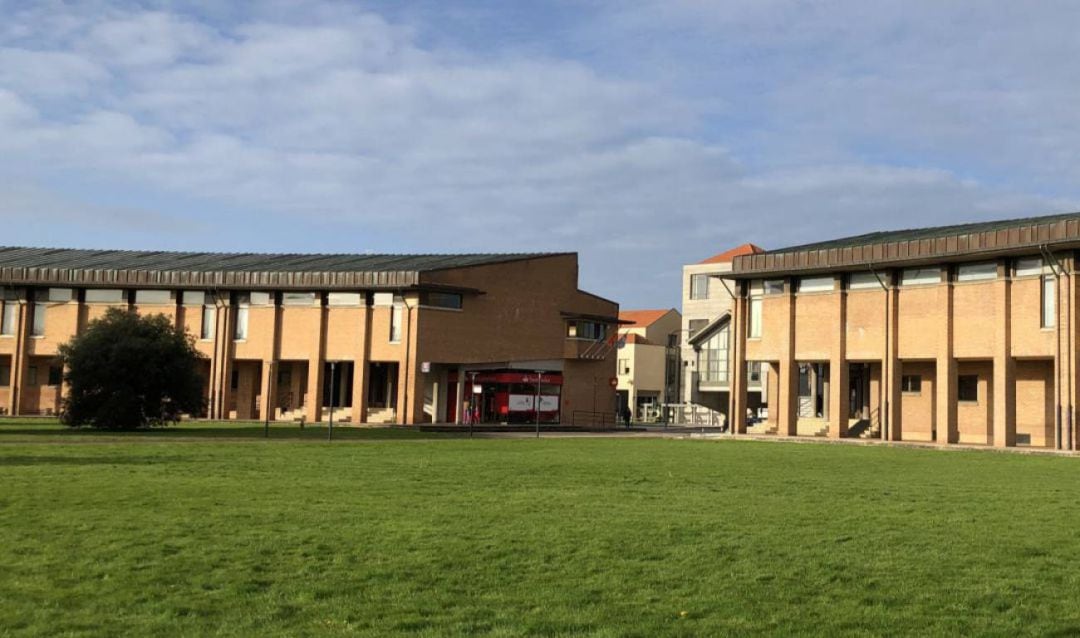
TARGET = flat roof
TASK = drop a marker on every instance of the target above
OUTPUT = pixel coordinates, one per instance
(917, 245)
(280, 270)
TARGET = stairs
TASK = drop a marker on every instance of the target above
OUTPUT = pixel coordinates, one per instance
(762, 427)
(864, 429)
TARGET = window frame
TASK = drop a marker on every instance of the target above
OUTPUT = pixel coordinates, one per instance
(906, 386)
(695, 292)
(919, 280)
(975, 272)
(816, 284)
(1048, 302)
(960, 385)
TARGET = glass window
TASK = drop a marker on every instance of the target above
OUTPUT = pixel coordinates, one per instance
(911, 383)
(713, 358)
(967, 387)
(441, 300)
(1049, 301)
(1028, 267)
(345, 299)
(920, 276)
(384, 298)
(5, 375)
(7, 318)
(298, 299)
(242, 323)
(815, 284)
(624, 366)
(864, 281)
(976, 272)
(31, 375)
(209, 318)
(753, 371)
(260, 298)
(197, 298)
(56, 375)
(754, 328)
(774, 286)
(699, 286)
(695, 325)
(38, 326)
(395, 323)
(104, 295)
(55, 295)
(154, 297)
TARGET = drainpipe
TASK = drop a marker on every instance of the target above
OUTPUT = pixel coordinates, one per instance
(886, 388)
(1055, 268)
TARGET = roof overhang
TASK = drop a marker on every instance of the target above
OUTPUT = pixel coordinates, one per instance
(709, 330)
(588, 317)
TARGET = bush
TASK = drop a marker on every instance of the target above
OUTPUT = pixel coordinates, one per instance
(128, 371)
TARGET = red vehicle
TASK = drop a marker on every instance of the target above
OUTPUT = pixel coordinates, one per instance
(509, 396)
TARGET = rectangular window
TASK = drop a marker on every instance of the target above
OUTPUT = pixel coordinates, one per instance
(260, 298)
(753, 371)
(864, 281)
(816, 284)
(1028, 267)
(155, 297)
(1049, 301)
(56, 375)
(967, 387)
(55, 295)
(197, 298)
(920, 276)
(209, 318)
(695, 325)
(7, 318)
(104, 295)
(699, 286)
(441, 300)
(774, 286)
(234, 380)
(395, 323)
(5, 375)
(754, 328)
(31, 375)
(624, 366)
(384, 299)
(37, 328)
(345, 299)
(241, 323)
(911, 383)
(976, 272)
(299, 299)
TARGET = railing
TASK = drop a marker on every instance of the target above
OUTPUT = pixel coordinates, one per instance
(694, 414)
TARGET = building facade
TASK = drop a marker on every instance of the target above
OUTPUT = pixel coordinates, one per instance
(648, 361)
(378, 338)
(959, 334)
(707, 302)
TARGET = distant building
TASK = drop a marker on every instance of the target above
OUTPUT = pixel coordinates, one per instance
(378, 338)
(647, 361)
(706, 337)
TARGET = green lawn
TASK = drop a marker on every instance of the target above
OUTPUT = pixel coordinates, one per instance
(428, 535)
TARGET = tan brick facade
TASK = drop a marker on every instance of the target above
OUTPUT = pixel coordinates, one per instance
(267, 349)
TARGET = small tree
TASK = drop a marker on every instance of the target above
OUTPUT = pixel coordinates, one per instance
(128, 371)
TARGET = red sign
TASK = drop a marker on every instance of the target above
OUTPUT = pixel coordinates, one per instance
(614, 381)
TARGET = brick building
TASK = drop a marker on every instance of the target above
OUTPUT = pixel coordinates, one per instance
(955, 334)
(381, 338)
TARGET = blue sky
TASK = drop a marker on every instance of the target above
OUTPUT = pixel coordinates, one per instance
(644, 135)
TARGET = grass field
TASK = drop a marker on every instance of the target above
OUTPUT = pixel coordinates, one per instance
(391, 532)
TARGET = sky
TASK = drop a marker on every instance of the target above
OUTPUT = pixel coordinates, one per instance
(643, 135)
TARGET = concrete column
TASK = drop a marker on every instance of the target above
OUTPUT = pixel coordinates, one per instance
(788, 391)
(945, 374)
(892, 426)
(1004, 400)
(459, 394)
(839, 404)
(313, 409)
(360, 376)
(18, 358)
(772, 394)
(268, 400)
(737, 387)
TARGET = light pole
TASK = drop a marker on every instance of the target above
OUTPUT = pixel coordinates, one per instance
(330, 431)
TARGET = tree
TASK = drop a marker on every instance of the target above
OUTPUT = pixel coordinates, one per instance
(128, 371)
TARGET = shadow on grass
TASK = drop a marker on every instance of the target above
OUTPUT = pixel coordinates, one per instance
(31, 461)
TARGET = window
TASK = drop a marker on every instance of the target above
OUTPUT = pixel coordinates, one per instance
(713, 358)
(754, 327)
(967, 387)
(5, 375)
(591, 330)
(696, 325)
(976, 272)
(242, 323)
(197, 298)
(55, 295)
(234, 380)
(384, 299)
(37, 328)
(441, 300)
(920, 276)
(1028, 267)
(911, 383)
(161, 297)
(56, 375)
(1049, 301)
(774, 286)
(260, 298)
(395, 321)
(624, 366)
(7, 318)
(864, 281)
(345, 299)
(815, 284)
(209, 318)
(31, 375)
(753, 371)
(299, 299)
(104, 295)
(699, 286)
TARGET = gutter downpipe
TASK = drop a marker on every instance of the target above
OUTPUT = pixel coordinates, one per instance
(1055, 268)
(886, 388)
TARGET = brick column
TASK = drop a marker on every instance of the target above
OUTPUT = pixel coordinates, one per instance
(945, 374)
(891, 368)
(737, 387)
(18, 357)
(313, 409)
(1004, 402)
(268, 398)
(788, 391)
(839, 404)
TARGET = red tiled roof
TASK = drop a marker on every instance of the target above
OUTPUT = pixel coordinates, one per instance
(636, 338)
(641, 318)
(728, 256)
